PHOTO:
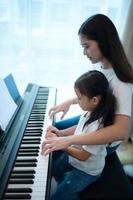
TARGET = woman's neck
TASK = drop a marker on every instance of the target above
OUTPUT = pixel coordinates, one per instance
(106, 64)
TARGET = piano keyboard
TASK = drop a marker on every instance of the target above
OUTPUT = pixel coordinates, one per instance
(29, 178)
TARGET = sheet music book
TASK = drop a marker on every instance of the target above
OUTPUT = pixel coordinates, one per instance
(7, 105)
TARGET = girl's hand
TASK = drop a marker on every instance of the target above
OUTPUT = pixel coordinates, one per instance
(63, 107)
(54, 144)
(51, 131)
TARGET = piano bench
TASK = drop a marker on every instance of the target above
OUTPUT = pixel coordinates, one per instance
(113, 182)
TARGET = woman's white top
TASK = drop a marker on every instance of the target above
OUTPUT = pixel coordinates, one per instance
(95, 163)
(122, 91)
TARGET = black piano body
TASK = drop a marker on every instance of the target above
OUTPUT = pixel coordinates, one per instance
(31, 113)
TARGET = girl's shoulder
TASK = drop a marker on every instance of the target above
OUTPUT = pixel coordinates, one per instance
(93, 126)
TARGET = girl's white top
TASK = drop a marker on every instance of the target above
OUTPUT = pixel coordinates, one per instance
(95, 163)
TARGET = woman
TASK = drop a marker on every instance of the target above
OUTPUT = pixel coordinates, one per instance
(100, 41)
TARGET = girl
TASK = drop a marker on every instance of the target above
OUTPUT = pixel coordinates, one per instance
(84, 163)
(101, 44)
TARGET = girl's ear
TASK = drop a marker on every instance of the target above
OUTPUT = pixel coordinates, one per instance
(96, 100)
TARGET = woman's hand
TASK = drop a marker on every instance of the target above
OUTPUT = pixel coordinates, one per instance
(63, 107)
(54, 144)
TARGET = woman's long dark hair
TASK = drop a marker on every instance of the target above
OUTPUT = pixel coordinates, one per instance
(94, 83)
(101, 29)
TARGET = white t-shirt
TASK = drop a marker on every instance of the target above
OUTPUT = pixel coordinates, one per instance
(95, 163)
(123, 93)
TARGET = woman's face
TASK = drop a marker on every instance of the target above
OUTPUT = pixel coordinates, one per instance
(91, 49)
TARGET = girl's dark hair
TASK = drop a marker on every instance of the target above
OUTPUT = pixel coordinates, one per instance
(94, 83)
(101, 29)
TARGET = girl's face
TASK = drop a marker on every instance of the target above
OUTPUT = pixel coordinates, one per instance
(86, 103)
(91, 49)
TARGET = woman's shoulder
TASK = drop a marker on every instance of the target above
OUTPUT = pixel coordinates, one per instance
(121, 86)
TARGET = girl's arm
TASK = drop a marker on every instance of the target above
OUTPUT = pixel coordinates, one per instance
(106, 135)
(80, 154)
(67, 131)
(52, 131)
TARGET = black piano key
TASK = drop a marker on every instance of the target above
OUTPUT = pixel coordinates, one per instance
(40, 101)
(33, 131)
(33, 134)
(31, 142)
(23, 171)
(28, 150)
(38, 107)
(26, 160)
(29, 147)
(28, 154)
(29, 139)
(17, 196)
(35, 122)
(40, 112)
(25, 164)
(21, 176)
(19, 190)
(34, 119)
(35, 125)
(37, 116)
(33, 128)
(21, 181)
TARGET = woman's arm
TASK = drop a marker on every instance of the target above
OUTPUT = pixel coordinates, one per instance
(115, 132)
(80, 154)
(63, 107)
(106, 135)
